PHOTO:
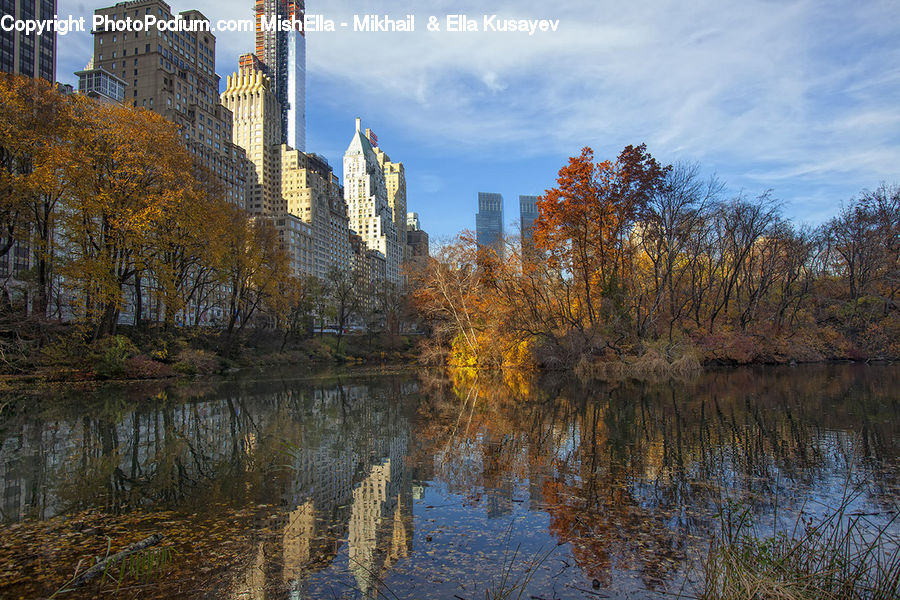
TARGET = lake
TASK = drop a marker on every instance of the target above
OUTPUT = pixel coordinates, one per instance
(409, 484)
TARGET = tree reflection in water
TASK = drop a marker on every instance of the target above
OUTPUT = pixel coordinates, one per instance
(353, 476)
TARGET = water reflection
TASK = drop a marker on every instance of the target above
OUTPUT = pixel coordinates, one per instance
(417, 486)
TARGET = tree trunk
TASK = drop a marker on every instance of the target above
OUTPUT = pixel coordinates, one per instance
(138, 301)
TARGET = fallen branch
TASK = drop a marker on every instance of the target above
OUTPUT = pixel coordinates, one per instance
(104, 564)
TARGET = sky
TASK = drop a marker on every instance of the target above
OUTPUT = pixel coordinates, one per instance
(801, 97)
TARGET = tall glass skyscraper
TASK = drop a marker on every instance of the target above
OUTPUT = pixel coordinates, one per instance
(489, 221)
(283, 56)
(296, 89)
(528, 212)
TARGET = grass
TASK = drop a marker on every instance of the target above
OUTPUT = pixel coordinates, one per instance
(654, 364)
(509, 585)
(842, 556)
(141, 566)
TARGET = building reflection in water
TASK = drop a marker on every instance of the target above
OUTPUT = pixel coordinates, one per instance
(625, 475)
(349, 490)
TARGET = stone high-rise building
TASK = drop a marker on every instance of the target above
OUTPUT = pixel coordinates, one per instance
(30, 55)
(313, 193)
(395, 182)
(174, 74)
(416, 238)
(298, 191)
(282, 55)
(365, 192)
(251, 99)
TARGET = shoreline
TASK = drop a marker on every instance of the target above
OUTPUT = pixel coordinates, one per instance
(323, 369)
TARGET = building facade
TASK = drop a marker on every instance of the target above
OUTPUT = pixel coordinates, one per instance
(395, 182)
(365, 193)
(282, 55)
(416, 238)
(173, 74)
(287, 185)
(30, 55)
(313, 194)
(528, 212)
(250, 97)
(298, 241)
(489, 221)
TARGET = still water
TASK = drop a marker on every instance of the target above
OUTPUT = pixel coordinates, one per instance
(412, 485)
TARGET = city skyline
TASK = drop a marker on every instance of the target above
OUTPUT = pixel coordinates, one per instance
(787, 97)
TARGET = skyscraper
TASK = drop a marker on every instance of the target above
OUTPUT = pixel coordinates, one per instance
(366, 194)
(489, 221)
(313, 193)
(297, 191)
(283, 58)
(249, 96)
(528, 212)
(30, 55)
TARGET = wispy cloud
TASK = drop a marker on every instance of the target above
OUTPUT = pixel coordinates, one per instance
(763, 92)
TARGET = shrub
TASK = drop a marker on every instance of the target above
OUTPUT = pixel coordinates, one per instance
(730, 347)
(144, 367)
(113, 354)
(197, 362)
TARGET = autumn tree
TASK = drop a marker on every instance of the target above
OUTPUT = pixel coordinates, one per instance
(670, 220)
(345, 289)
(38, 163)
(133, 173)
(448, 295)
(864, 245)
(585, 223)
(737, 227)
(295, 304)
(183, 245)
(253, 265)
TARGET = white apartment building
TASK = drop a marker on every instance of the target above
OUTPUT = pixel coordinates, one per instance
(366, 195)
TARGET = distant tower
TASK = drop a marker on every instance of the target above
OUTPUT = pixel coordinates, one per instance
(416, 237)
(283, 58)
(489, 221)
(528, 212)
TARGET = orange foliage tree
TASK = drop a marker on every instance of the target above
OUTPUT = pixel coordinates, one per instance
(584, 224)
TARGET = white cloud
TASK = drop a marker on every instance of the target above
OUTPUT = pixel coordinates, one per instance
(760, 91)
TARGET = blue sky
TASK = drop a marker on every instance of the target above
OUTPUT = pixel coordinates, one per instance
(802, 97)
